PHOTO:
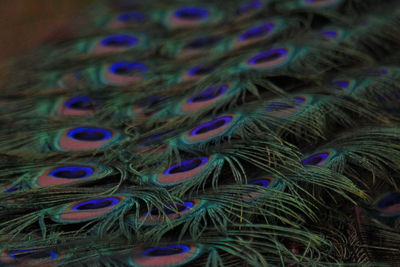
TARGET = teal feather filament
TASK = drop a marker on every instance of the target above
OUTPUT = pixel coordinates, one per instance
(177, 211)
(290, 107)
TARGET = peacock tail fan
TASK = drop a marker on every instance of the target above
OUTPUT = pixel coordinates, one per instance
(205, 133)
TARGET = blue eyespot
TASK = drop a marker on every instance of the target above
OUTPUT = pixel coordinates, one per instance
(208, 94)
(32, 254)
(391, 200)
(89, 134)
(132, 16)
(249, 6)
(268, 56)
(211, 125)
(257, 31)
(200, 70)
(72, 172)
(186, 165)
(192, 13)
(119, 41)
(315, 159)
(81, 103)
(166, 250)
(261, 182)
(331, 34)
(97, 203)
(128, 68)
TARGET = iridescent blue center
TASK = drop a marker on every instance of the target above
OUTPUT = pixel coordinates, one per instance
(208, 94)
(132, 16)
(89, 134)
(191, 13)
(257, 31)
(315, 159)
(261, 182)
(279, 106)
(211, 125)
(341, 84)
(119, 41)
(99, 203)
(389, 201)
(203, 42)
(13, 188)
(32, 254)
(172, 209)
(81, 103)
(200, 70)
(166, 250)
(249, 7)
(128, 68)
(72, 172)
(269, 55)
(330, 33)
(186, 165)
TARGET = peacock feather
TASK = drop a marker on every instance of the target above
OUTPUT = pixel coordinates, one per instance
(205, 133)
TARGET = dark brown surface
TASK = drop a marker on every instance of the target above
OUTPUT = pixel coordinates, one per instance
(26, 23)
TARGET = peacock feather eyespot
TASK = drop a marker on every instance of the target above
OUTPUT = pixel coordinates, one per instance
(322, 158)
(132, 17)
(282, 109)
(120, 40)
(270, 59)
(165, 255)
(256, 33)
(265, 182)
(78, 106)
(115, 43)
(89, 134)
(210, 129)
(124, 73)
(262, 182)
(347, 86)
(183, 171)
(86, 138)
(321, 3)
(198, 72)
(96, 204)
(189, 16)
(13, 188)
(389, 204)
(65, 174)
(127, 19)
(248, 8)
(329, 33)
(204, 98)
(191, 13)
(88, 209)
(171, 211)
(32, 254)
